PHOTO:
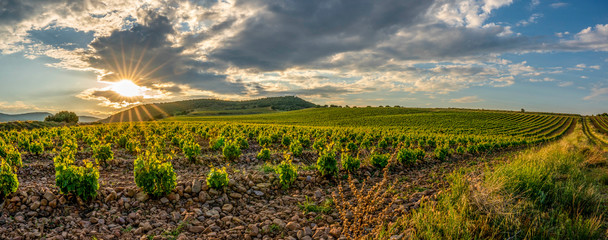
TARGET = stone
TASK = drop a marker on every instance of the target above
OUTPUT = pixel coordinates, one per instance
(202, 196)
(53, 204)
(258, 193)
(318, 194)
(164, 200)
(120, 220)
(49, 196)
(292, 226)
(396, 237)
(236, 195)
(19, 218)
(146, 226)
(279, 222)
(133, 216)
(212, 213)
(319, 233)
(142, 197)
(196, 229)
(176, 216)
(197, 185)
(111, 197)
(173, 197)
(35, 206)
(300, 234)
(227, 208)
(254, 229)
(335, 232)
(307, 231)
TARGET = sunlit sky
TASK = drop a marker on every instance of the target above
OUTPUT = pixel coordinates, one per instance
(98, 57)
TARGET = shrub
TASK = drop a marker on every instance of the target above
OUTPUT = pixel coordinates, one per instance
(36, 148)
(409, 156)
(352, 147)
(442, 152)
(217, 178)
(264, 154)
(382, 144)
(23, 142)
(296, 148)
(83, 181)
(326, 163)
(231, 151)
(243, 143)
(217, 143)
(8, 180)
(122, 141)
(154, 174)
(287, 173)
(349, 163)
(191, 150)
(379, 160)
(319, 145)
(132, 146)
(13, 158)
(286, 141)
(63, 116)
(102, 153)
(264, 141)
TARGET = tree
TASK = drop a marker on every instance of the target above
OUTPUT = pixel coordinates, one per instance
(63, 116)
(523, 110)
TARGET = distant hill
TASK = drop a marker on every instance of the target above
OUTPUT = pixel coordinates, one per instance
(208, 107)
(34, 116)
(87, 119)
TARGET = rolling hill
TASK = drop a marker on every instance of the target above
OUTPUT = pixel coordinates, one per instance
(209, 107)
(33, 116)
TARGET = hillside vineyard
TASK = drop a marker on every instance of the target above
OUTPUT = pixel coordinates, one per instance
(236, 167)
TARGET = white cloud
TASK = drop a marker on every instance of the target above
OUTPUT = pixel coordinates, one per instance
(565, 84)
(558, 4)
(467, 99)
(19, 107)
(532, 19)
(590, 38)
(596, 67)
(581, 65)
(597, 94)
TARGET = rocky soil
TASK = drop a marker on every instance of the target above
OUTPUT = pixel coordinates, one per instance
(253, 206)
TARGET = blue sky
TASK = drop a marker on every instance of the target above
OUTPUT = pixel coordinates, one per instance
(99, 57)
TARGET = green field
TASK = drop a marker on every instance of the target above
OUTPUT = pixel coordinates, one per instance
(428, 173)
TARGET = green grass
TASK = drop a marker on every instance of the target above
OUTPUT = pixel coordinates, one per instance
(310, 206)
(543, 193)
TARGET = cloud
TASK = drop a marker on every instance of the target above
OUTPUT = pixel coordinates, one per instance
(467, 99)
(287, 34)
(597, 94)
(590, 38)
(565, 84)
(558, 4)
(18, 107)
(532, 19)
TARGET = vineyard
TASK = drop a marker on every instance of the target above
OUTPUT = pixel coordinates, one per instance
(299, 174)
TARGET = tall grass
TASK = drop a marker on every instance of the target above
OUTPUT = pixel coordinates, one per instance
(543, 193)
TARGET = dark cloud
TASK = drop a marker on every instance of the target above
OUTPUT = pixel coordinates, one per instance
(439, 41)
(115, 97)
(289, 33)
(66, 38)
(145, 54)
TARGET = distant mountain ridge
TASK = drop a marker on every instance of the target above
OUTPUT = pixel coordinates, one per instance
(86, 119)
(199, 107)
(33, 116)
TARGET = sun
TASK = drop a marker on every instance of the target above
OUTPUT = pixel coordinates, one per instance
(127, 88)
